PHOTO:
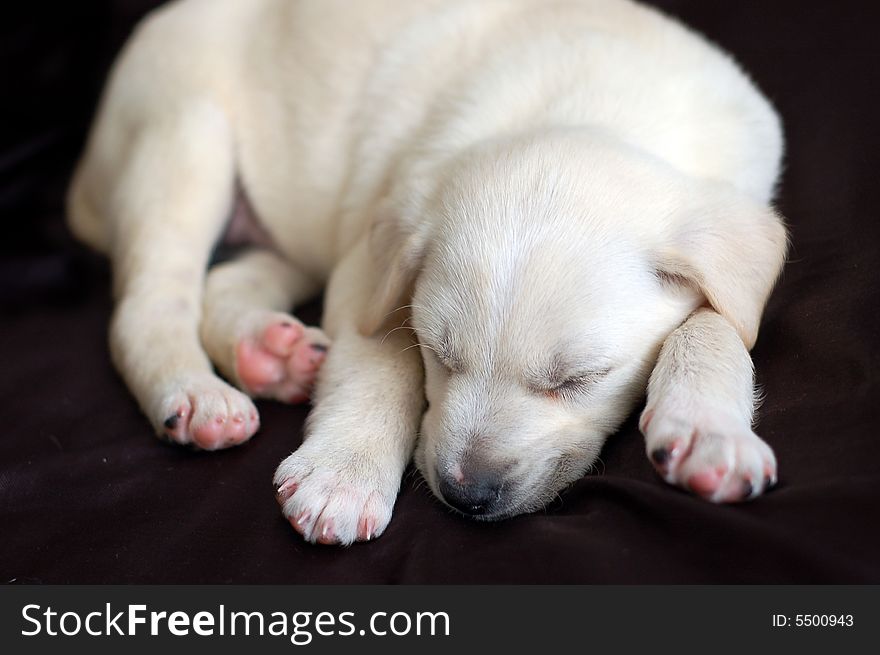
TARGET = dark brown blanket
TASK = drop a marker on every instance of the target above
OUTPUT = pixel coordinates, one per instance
(87, 494)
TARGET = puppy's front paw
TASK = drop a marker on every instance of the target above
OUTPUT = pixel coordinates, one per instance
(278, 357)
(335, 498)
(205, 412)
(708, 452)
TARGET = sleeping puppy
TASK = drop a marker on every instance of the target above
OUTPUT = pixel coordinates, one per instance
(525, 213)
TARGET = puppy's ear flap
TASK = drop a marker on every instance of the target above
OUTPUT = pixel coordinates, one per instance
(732, 249)
(397, 243)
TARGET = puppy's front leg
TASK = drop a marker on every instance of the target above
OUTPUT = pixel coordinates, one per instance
(341, 484)
(697, 423)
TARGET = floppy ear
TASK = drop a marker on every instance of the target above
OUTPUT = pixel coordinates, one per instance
(397, 242)
(733, 250)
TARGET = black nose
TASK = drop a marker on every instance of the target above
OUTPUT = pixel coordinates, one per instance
(474, 497)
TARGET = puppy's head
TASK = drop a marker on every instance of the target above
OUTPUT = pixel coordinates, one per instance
(544, 275)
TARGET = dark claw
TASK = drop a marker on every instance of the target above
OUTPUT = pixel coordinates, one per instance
(171, 422)
(319, 347)
(768, 482)
(660, 456)
(748, 489)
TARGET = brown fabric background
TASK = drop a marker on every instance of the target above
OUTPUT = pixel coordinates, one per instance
(88, 495)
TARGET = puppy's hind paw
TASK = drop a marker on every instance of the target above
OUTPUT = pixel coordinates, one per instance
(279, 357)
(207, 413)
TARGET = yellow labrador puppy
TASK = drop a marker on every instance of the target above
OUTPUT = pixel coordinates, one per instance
(525, 211)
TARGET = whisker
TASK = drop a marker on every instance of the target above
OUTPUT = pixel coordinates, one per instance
(399, 327)
(404, 307)
(416, 345)
(401, 307)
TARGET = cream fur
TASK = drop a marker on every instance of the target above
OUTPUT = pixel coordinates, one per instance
(537, 189)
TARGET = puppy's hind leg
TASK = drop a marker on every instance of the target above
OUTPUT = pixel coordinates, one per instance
(249, 334)
(165, 203)
(698, 420)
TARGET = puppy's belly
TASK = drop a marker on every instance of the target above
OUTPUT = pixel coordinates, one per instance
(244, 227)
(243, 230)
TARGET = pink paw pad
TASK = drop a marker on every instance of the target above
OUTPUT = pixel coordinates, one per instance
(212, 434)
(279, 338)
(281, 360)
(212, 419)
(706, 483)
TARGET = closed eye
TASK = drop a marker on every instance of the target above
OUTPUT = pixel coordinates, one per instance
(576, 385)
(449, 364)
(442, 357)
